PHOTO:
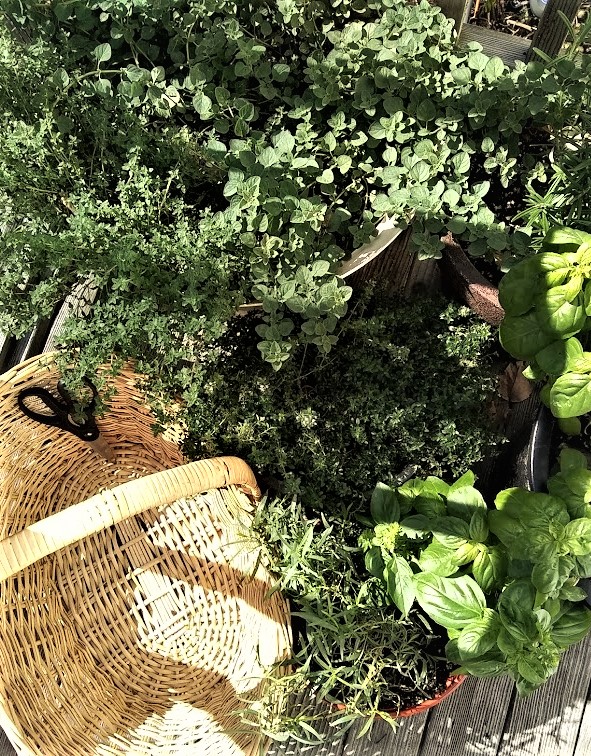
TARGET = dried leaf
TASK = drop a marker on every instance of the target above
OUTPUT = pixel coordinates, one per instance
(498, 411)
(512, 385)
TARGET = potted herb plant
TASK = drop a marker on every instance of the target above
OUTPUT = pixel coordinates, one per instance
(452, 587)
(464, 565)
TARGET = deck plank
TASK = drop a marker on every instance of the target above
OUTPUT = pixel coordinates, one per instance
(583, 743)
(547, 722)
(471, 720)
(383, 740)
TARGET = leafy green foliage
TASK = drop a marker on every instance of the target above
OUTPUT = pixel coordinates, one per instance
(296, 125)
(353, 649)
(547, 298)
(502, 582)
(558, 195)
(405, 384)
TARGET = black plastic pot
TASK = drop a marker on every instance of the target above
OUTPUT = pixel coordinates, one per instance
(537, 456)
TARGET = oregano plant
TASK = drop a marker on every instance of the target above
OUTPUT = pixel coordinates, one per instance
(298, 126)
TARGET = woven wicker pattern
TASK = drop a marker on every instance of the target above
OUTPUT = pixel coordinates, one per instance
(133, 612)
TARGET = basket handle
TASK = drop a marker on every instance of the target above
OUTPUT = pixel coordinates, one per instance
(117, 504)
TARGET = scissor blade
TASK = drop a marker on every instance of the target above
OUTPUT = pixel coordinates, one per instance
(101, 447)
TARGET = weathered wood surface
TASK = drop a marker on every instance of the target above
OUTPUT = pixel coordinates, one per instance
(549, 37)
(506, 46)
(459, 10)
(552, 31)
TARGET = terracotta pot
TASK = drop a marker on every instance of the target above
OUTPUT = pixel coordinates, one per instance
(469, 284)
(451, 684)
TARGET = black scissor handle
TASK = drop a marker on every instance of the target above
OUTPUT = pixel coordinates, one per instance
(60, 412)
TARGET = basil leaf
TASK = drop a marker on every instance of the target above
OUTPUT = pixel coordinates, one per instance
(437, 559)
(570, 426)
(517, 619)
(541, 510)
(374, 562)
(517, 288)
(508, 644)
(507, 529)
(479, 526)
(532, 669)
(489, 568)
(479, 637)
(415, 526)
(557, 315)
(521, 592)
(583, 564)
(571, 459)
(451, 602)
(484, 667)
(467, 479)
(400, 583)
(558, 357)
(384, 504)
(561, 235)
(545, 575)
(451, 531)
(573, 488)
(570, 395)
(522, 336)
(463, 502)
(572, 626)
(578, 536)
(466, 553)
(452, 652)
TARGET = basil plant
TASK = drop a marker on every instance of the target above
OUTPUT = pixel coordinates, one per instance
(547, 303)
(502, 582)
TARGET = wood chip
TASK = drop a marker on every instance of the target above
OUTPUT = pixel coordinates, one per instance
(512, 385)
(519, 24)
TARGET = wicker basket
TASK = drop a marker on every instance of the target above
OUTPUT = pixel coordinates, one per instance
(133, 613)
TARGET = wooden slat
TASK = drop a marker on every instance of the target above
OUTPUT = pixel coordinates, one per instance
(547, 722)
(469, 721)
(583, 744)
(551, 31)
(506, 46)
(404, 741)
(392, 267)
(456, 9)
(424, 277)
(332, 746)
(6, 748)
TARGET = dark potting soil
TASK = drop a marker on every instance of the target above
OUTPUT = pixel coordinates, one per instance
(487, 268)
(406, 695)
(409, 696)
(560, 440)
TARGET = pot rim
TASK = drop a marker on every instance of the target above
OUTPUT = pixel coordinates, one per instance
(387, 231)
(451, 684)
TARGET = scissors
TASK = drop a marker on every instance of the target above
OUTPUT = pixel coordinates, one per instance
(61, 413)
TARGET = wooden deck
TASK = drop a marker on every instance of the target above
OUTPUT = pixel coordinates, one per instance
(485, 718)
(482, 718)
